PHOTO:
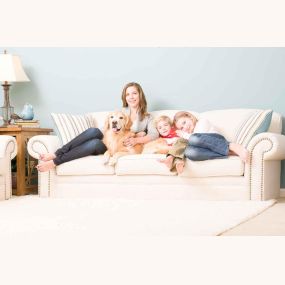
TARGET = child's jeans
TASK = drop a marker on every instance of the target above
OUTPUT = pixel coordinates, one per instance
(203, 146)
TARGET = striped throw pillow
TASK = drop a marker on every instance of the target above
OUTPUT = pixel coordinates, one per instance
(70, 126)
(257, 122)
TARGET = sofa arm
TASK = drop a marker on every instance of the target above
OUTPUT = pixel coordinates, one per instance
(43, 144)
(263, 170)
(8, 146)
(269, 145)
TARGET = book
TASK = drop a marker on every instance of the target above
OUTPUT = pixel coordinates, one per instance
(30, 126)
(10, 126)
(25, 121)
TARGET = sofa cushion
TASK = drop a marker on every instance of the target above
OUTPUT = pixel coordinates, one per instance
(147, 164)
(171, 113)
(69, 126)
(88, 165)
(97, 119)
(140, 164)
(236, 125)
(257, 123)
(239, 125)
(231, 166)
(276, 124)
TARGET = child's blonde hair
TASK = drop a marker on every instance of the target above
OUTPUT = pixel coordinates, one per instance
(183, 114)
(162, 118)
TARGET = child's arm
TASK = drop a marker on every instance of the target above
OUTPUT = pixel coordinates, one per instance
(204, 126)
(183, 135)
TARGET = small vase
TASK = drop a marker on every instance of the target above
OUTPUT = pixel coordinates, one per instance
(27, 112)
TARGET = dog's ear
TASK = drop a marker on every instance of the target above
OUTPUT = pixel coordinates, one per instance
(128, 123)
(106, 125)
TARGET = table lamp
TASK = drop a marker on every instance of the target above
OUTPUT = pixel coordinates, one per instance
(11, 70)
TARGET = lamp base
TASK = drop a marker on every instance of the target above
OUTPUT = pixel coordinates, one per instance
(6, 114)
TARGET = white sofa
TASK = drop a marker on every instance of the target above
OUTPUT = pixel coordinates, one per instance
(142, 176)
(8, 150)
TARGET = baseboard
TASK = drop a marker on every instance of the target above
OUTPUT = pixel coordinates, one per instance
(282, 192)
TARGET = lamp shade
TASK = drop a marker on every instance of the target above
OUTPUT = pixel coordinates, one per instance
(11, 69)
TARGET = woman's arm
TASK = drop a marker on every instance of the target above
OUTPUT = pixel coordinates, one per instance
(151, 129)
(152, 133)
(131, 141)
(144, 139)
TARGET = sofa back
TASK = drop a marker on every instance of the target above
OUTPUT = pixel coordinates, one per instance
(236, 125)
(240, 125)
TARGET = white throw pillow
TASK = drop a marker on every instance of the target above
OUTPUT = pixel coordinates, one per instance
(257, 122)
(70, 126)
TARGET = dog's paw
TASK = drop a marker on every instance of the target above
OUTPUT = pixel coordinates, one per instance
(106, 159)
(112, 161)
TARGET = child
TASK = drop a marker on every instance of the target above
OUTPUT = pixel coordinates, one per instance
(201, 142)
(167, 136)
(165, 129)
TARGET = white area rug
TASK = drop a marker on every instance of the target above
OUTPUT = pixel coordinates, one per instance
(118, 217)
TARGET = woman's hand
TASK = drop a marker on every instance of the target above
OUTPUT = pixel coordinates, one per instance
(131, 141)
(140, 134)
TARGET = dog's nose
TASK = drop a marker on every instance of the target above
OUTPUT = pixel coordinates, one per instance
(114, 124)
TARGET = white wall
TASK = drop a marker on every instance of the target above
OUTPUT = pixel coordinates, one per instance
(79, 80)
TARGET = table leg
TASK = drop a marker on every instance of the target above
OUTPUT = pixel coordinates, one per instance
(21, 184)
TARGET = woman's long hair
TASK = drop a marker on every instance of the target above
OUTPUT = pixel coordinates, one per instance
(142, 110)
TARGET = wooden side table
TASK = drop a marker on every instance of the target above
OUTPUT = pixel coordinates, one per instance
(26, 175)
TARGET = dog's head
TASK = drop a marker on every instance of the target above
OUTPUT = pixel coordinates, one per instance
(117, 121)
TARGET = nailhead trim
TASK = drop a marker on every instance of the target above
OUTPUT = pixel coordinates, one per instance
(10, 180)
(39, 175)
(262, 168)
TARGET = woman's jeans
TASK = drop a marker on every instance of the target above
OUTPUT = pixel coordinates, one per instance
(87, 143)
(203, 146)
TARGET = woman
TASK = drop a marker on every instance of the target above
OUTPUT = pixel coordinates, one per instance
(135, 106)
(90, 141)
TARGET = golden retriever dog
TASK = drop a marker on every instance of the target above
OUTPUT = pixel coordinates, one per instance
(157, 146)
(116, 130)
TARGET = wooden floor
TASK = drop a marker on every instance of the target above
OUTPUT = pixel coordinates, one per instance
(269, 223)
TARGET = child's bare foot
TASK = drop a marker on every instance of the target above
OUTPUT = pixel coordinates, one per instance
(240, 150)
(46, 166)
(180, 166)
(167, 161)
(47, 156)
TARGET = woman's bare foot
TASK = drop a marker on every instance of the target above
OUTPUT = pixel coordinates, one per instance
(47, 156)
(240, 150)
(46, 166)
(180, 166)
(167, 161)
